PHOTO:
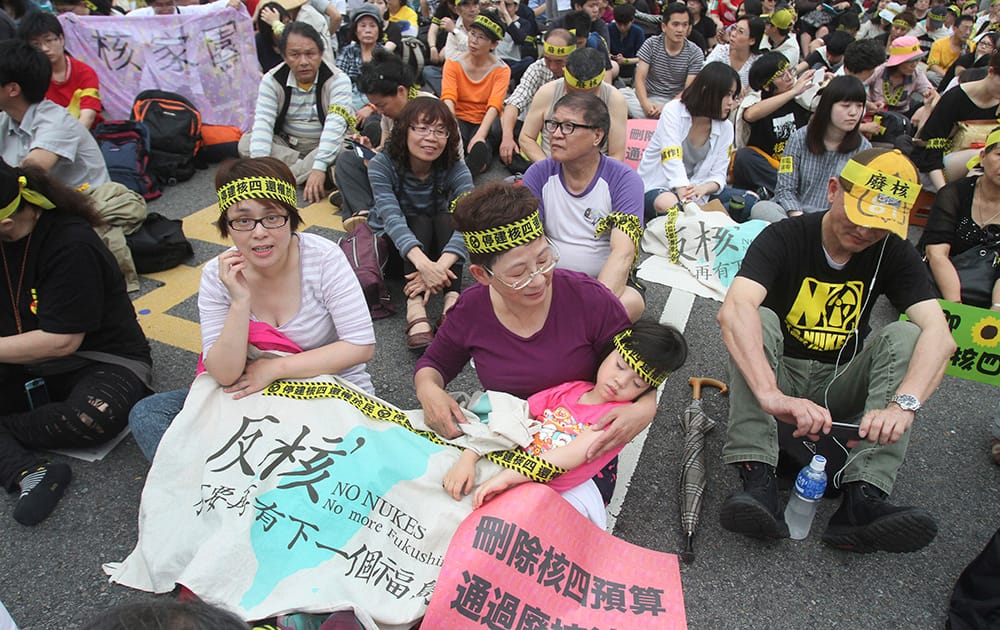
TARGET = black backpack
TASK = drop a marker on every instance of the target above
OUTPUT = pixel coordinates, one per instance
(159, 244)
(125, 147)
(174, 132)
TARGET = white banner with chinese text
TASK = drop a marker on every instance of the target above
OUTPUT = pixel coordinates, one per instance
(207, 57)
(697, 251)
(308, 496)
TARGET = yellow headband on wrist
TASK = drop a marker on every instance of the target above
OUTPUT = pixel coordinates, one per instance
(504, 237)
(558, 51)
(256, 188)
(489, 25)
(585, 84)
(646, 372)
(29, 195)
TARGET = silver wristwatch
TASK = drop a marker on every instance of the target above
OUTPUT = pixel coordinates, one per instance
(906, 402)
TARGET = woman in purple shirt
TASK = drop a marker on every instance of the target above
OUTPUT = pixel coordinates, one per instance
(528, 325)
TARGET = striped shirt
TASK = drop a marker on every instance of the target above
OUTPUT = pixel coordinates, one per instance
(332, 306)
(668, 74)
(301, 119)
(803, 177)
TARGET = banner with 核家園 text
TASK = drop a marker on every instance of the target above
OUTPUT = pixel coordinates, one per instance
(207, 57)
(696, 251)
(976, 332)
(528, 559)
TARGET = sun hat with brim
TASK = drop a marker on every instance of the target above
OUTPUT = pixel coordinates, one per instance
(290, 5)
(881, 188)
(903, 49)
(890, 11)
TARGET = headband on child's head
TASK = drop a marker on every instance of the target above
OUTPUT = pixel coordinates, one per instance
(504, 237)
(31, 196)
(256, 188)
(900, 23)
(654, 377)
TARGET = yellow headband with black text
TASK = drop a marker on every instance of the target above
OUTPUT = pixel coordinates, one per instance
(582, 84)
(256, 188)
(646, 372)
(558, 51)
(489, 25)
(504, 237)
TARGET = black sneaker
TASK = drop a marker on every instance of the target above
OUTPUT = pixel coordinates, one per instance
(756, 511)
(866, 522)
(41, 489)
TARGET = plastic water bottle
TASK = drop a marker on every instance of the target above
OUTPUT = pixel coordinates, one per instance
(809, 487)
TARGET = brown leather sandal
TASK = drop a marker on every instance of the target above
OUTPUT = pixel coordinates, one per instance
(418, 342)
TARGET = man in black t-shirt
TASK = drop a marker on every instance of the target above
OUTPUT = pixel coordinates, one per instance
(794, 322)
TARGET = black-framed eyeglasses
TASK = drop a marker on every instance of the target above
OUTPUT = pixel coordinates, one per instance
(545, 263)
(565, 127)
(247, 224)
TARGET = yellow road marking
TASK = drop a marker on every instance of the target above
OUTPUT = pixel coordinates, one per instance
(181, 282)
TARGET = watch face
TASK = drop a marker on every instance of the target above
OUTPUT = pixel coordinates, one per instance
(907, 402)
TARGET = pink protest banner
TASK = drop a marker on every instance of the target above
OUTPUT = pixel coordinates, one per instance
(207, 57)
(638, 133)
(528, 559)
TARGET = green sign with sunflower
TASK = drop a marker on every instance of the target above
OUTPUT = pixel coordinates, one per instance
(977, 334)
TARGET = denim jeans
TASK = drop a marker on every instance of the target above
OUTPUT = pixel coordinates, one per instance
(151, 416)
(867, 383)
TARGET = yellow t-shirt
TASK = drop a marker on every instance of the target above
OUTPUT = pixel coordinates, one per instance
(405, 14)
(942, 54)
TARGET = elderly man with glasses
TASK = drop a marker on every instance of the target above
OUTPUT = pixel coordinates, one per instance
(591, 205)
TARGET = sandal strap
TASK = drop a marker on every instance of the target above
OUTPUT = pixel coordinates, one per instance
(419, 320)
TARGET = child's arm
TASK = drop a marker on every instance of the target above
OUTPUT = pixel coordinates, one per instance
(461, 476)
(568, 457)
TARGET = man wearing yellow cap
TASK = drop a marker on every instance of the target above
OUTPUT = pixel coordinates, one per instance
(779, 38)
(584, 72)
(794, 322)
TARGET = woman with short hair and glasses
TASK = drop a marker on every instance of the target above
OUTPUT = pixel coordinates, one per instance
(299, 284)
(274, 280)
(528, 324)
(414, 181)
(474, 87)
(590, 204)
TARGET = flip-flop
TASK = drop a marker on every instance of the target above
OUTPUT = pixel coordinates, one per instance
(418, 342)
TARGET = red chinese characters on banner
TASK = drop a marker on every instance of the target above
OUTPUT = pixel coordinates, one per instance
(528, 559)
